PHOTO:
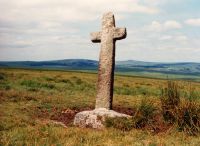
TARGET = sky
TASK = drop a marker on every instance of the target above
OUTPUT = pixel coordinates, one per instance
(157, 30)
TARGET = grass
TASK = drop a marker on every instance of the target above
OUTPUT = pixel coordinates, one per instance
(31, 99)
(170, 100)
(185, 112)
(144, 114)
(188, 117)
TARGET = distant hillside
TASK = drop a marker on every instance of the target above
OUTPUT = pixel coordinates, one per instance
(75, 64)
(124, 67)
(185, 68)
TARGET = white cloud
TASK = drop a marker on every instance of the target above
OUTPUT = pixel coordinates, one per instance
(167, 25)
(182, 38)
(156, 26)
(166, 37)
(56, 24)
(176, 39)
(68, 10)
(193, 22)
(155, 2)
(172, 24)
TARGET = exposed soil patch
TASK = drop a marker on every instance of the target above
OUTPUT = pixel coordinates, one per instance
(158, 125)
(42, 113)
(66, 116)
(2, 96)
(124, 110)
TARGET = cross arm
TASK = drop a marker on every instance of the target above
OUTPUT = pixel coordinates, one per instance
(119, 33)
(95, 37)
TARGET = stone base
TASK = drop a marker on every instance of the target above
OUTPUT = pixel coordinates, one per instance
(95, 118)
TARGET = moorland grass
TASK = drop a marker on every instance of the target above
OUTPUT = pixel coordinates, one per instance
(35, 96)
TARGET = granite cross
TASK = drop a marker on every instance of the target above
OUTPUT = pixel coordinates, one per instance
(107, 36)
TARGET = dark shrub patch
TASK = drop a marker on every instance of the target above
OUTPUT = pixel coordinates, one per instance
(49, 79)
(30, 84)
(143, 91)
(4, 85)
(66, 81)
(2, 76)
(79, 81)
(144, 115)
(185, 114)
(124, 124)
(170, 99)
(48, 86)
(188, 118)
(28, 98)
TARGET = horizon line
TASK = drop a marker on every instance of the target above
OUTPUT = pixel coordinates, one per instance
(98, 60)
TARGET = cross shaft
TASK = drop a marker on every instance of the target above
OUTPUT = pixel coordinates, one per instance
(107, 36)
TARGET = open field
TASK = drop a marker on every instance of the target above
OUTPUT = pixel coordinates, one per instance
(33, 103)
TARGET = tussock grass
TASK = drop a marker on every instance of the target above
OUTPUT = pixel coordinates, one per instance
(188, 117)
(143, 117)
(170, 99)
(2, 76)
(183, 111)
(121, 123)
(144, 114)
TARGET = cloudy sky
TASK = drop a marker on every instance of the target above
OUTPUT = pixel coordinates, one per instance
(157, 30)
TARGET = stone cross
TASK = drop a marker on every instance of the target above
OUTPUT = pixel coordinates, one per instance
(107, 36)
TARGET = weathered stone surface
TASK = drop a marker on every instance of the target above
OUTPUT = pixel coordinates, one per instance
(95, 118)
(107, 36)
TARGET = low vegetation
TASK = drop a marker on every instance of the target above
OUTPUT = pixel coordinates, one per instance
(182, 113)
(37, 108)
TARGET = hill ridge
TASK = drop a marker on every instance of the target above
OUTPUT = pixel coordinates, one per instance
(127, 66)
